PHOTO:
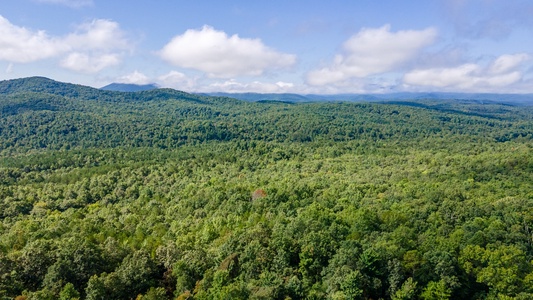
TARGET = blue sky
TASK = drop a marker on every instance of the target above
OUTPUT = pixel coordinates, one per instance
(324, 47)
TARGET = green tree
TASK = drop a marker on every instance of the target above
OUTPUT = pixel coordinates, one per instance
(436, 291)
(69, 293)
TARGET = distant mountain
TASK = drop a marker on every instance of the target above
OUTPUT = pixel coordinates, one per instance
(491, 97)
(127, 87)
(256, 97)
(119, 92)
(523, 99)
(38, 113)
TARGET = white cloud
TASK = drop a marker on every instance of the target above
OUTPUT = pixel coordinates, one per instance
(282, 84)
(372, 51)
(177, 80)
(233, 86)
(223, 56)
(181, 81)
(173, 76)
(70, 3)
(21, 45)
(136, 78)
(506, 63)
(503, 72)
(98, 35)
(85, 63)
(93, 47)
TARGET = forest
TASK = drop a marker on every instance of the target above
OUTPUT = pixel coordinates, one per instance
(162, 194)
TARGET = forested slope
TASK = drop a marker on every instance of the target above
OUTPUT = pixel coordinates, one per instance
(162, 195)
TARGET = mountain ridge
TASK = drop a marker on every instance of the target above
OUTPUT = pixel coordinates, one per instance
(43, 85)
(129, 87)
(130, 92)
(523, 99)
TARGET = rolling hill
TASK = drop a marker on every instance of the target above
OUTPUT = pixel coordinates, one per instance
(163, 194)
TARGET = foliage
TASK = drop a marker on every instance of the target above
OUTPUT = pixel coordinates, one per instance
(164, 195)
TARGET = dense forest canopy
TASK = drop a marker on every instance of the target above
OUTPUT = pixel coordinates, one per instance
(162, 194)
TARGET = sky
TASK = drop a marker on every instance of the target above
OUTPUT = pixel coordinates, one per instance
(305, 47)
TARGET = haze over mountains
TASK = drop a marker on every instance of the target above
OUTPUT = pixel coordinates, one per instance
(523, 99)
(128, 87)
(526, 99)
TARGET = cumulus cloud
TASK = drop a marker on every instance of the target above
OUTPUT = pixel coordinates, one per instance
(103, 35)
(501, 72)
(85, 63)
(508, 62)
(372, 51)
(135, 78)
(21, 45)
(177, 80)
(99, 45)
(69, 3)
(233, 86)
(93, 47)
(219, 55)
(181, 81)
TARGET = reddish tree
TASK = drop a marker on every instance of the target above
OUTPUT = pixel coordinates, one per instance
(259, 193)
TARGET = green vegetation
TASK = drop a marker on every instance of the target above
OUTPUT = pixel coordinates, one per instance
(166, 195)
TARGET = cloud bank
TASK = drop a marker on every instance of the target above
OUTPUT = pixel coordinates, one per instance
(20, 45)
(372, 51)
(233, 86)
(177, 80)
(87, 63)
(92, 47)
(501, 72)
(135, 77)
(219, 55)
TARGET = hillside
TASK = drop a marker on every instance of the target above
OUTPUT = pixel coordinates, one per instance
(162, 194)
(39, 113)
